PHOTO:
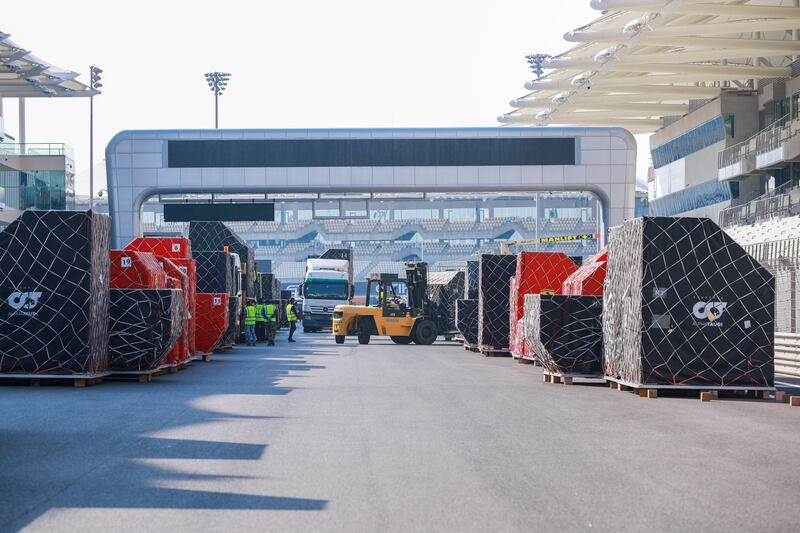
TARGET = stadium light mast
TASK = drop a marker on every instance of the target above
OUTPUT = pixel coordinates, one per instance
(94, 85)
(535, 61)
(217, 82)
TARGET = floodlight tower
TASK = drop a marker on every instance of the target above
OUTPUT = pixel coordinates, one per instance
(535, 61)
(94, 85)
(217, 82)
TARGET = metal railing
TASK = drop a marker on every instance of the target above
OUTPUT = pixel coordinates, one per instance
(774, 203)
(36, 149)
(736, 153)
(777, 133)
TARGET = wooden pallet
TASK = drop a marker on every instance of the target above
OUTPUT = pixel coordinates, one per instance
(705, 394)
(566, 379)
(145, 376)
(35, 380)
(494, 353)
(471, 347)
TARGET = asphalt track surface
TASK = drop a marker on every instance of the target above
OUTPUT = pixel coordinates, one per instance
(317, 437)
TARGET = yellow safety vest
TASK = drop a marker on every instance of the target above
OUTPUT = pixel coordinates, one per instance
(271, 312)
(260, 313)
(290, 316)
(250, 315)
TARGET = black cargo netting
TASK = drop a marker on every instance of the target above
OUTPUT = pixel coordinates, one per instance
(686, 306)
(54, 277)
(214, 236)
(493, 306)
(272, 287)
(214, 272)
(471, 277)
(144, 326)
(229, 338)
(444, 289)
(467, 320)
(566, 333)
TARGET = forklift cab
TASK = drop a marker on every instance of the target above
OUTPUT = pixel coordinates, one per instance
(381, 287)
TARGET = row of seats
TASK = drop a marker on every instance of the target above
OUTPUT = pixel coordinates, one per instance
(775, 229)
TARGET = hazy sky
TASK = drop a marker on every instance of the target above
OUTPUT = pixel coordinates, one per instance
(293, 64)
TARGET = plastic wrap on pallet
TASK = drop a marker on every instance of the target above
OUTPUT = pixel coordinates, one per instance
(214, 272)
(566, 333)
(169, 247)
(214, 236)
(589, 278)
(212, 320)
(513, 346)
(136, 270)
(685, 305)
(183, 349)
(144, 326)
(471, 276)
(54, 277)
(467, 320)
(229, 339)
(444, 289)
(493, 305)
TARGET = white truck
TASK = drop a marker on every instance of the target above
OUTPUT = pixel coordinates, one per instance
(328, 282)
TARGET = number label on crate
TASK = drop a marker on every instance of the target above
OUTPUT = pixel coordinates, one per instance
(184, 270)
(125, 262)
(217, 300)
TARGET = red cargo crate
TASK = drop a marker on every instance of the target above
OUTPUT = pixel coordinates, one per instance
(588, 280)
(169, 247)
(136, 270)
(537, 273)
(212, 320)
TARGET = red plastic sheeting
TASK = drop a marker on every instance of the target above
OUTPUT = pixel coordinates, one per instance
(169, 247)
(589, 278)
(212, 320)
(182, 351)
(136, 270)
(537, 273)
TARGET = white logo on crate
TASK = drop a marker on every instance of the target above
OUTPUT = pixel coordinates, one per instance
(217, 300)
(176, 247)
(125, 262)
(24, 301)
(710, 311)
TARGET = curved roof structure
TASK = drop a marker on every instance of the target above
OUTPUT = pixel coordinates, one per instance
(643, 60)
(24, 75)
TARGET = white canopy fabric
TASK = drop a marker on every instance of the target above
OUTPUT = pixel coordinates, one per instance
(24, 75)
(643, 60)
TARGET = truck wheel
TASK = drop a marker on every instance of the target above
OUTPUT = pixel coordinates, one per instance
(363, 338)
(425, 332)
(399, 339)
(339, 339)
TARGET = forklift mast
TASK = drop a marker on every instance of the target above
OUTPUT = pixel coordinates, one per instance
(417, 282)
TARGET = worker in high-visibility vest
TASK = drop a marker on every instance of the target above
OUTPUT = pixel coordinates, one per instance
(261, 322)
(250, 323)
(271, 312)
(291, 317)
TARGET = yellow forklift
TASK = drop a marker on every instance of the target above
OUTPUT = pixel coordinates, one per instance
(387, 314)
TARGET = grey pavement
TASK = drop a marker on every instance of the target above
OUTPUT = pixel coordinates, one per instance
(320, 437)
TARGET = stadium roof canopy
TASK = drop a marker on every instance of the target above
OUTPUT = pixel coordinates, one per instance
(643, 60)
(25, 75)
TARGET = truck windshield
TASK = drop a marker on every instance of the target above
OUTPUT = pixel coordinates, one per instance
(326, 290)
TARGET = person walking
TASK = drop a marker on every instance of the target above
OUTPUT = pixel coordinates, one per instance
(291, 317)
(271, 312)
(250, 323)
(261, 321)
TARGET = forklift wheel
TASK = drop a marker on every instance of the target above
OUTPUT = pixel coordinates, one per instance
(339, 339)
(425, 332)
(399, 339)
(363, 338)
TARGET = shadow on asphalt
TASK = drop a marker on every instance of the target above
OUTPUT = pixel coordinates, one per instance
(93, 447)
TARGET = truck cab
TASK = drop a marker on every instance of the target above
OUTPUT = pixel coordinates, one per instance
(327, 283)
